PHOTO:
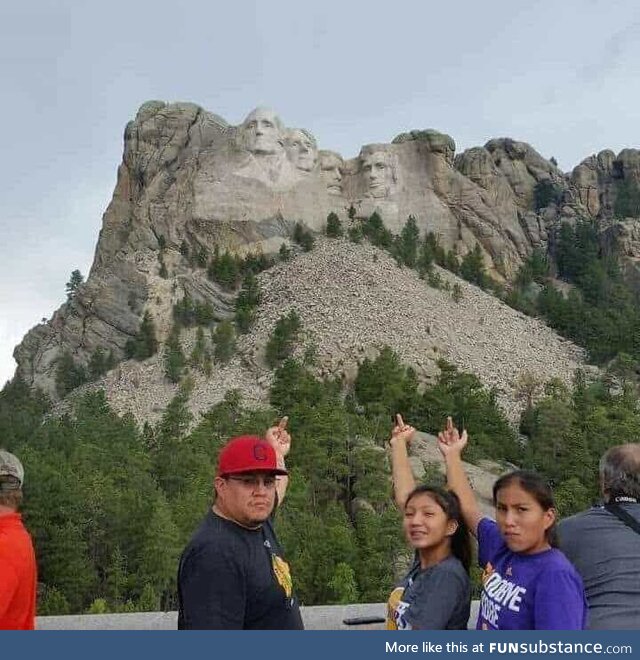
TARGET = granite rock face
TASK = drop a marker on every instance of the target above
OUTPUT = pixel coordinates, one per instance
(599, 184)
(190, 178)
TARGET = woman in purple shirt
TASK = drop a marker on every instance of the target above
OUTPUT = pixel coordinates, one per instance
(528, 584)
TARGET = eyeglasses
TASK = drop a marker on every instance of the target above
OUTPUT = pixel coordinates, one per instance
(253, 480)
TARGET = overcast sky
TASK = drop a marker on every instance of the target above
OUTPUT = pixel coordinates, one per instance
(564, 77)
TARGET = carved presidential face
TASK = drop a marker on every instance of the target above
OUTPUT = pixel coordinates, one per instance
(261, 132)
(331, 171)
(301, 148)
(378, 167)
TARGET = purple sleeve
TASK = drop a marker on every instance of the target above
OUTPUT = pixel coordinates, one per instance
(489, 541)
(559, 602)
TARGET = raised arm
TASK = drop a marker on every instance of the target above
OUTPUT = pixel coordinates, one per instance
(280, 440)
(451, 444)
(403, 481)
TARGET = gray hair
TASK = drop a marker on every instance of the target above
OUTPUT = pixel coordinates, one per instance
(620, 471)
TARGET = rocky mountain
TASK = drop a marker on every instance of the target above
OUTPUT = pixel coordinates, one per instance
(189, 181)
(353, 300)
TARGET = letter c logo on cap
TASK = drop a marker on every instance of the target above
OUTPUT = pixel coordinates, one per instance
(259, 452)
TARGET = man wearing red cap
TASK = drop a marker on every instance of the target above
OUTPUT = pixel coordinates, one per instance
(17, 559)
(232, 575)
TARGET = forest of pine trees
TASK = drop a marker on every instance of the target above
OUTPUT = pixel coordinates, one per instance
(111, 505)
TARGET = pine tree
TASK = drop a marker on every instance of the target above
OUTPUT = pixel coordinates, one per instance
(162, 272)
(383, 385)
(472, 267)
(172, 457)
(65, 563)
(284, 252)
(255, 263)
(343, 585)
(224, 342)
(225, 270)
(52, 602)
(116, 582)
(355, 234)
(199, 350)
(202, 257)
(98, 363)
(427, 254)
(373, 229)
(69, 375)
(247, 303)
(149, 600)
(450, 262)
(281, 343)
(74, 283)
(174, 359)
(144, 344)
(161, 548)
(334, 226)
(545, 193)
(408, 243)
(303, 237)
(627, 204)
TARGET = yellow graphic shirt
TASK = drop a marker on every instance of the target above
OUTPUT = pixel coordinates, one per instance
(396, 608)
(283, 574)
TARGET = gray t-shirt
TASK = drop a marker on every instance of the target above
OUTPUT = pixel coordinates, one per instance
(435, 598)
(606, 553)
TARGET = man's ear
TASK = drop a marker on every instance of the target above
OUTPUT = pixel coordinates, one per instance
(219, 485)
(603, 492)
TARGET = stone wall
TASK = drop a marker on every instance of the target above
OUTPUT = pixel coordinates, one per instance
(321, 617)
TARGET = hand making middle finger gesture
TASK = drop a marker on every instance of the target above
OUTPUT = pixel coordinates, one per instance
(402, 432)
(279, 437)
(450, 440)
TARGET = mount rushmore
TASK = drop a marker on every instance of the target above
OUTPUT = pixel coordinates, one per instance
(188, 176)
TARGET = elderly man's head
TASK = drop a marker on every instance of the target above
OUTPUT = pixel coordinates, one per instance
(380, 170)
(331, 165)
(620, 473)
(302, 148)
(261, 132)
(11, 480)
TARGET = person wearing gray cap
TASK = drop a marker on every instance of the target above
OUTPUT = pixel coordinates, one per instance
(18, 572)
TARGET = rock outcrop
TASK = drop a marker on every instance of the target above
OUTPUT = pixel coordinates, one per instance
(607, 188)
(188, 178)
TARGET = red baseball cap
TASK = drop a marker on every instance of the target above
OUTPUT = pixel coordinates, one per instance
(248, 453)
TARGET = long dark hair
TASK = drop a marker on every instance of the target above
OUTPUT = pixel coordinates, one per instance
(450, 504)
(538, 488)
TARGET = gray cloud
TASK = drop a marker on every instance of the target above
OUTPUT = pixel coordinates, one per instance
(614, 52)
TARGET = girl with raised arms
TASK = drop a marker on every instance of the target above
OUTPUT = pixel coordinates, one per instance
(528, 584)
(436, 593)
